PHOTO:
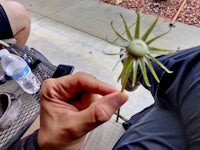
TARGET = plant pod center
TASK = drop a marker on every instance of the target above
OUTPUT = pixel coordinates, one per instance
(137, 48)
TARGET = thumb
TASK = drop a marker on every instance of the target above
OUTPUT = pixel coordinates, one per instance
(107, 106)
(101, 110)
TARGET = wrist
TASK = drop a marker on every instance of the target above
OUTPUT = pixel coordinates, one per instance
(47, 143)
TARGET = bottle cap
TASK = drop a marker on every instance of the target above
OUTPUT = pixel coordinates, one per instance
(4, 52)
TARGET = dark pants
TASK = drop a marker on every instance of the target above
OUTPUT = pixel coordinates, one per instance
(173, 121)
(5, 28)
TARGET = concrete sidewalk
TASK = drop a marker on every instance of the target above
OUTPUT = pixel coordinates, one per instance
(94, 17)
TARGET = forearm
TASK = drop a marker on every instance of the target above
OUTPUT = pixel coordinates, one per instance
(45, 146)
(46, 143)
(31, 143)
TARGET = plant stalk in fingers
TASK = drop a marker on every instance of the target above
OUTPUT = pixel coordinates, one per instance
(136, 53)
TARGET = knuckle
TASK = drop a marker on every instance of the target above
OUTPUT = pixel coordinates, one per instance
(47, 86)
(48, 83)
(100, 114)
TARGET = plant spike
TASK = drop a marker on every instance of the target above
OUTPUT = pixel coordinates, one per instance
(116, 44)
(160, 50)
(127, 61)
(148, 32)
(159, 63)
(128, 33)
(123, 57)
(107, 53)
(157, 37)
(126, 76)
(152, 70)
(144, 72)
(137, 27)
(117, 33)
(135, 69)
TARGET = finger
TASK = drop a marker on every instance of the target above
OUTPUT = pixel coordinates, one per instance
(99, 112)
(68, 86)
(85, 82)
(86, 100)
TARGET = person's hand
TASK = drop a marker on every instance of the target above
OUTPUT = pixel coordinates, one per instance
(73, 105)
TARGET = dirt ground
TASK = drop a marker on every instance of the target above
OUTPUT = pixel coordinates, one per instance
(189, 14)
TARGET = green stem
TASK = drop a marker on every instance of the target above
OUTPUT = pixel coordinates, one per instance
(118, 112)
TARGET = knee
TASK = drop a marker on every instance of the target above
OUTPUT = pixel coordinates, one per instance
(19, 8)
(15, 12)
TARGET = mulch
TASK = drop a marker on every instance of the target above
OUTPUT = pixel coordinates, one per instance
(167, 9)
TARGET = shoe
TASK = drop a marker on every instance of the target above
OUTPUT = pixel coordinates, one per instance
(9, 109)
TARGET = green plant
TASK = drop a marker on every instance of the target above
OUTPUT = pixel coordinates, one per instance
(136, 53)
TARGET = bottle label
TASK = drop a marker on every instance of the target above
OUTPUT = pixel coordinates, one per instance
(22, 73)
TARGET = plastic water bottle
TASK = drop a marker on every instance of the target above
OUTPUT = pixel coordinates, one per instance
(15, 67)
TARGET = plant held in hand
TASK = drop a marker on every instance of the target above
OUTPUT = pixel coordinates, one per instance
(136, 53)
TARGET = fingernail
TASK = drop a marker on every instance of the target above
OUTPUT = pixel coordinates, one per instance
(120, 99)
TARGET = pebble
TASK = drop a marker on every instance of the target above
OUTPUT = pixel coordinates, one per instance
(190, 13)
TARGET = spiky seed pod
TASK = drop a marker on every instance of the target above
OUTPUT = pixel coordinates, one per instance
(137, 48)
(136, 52)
